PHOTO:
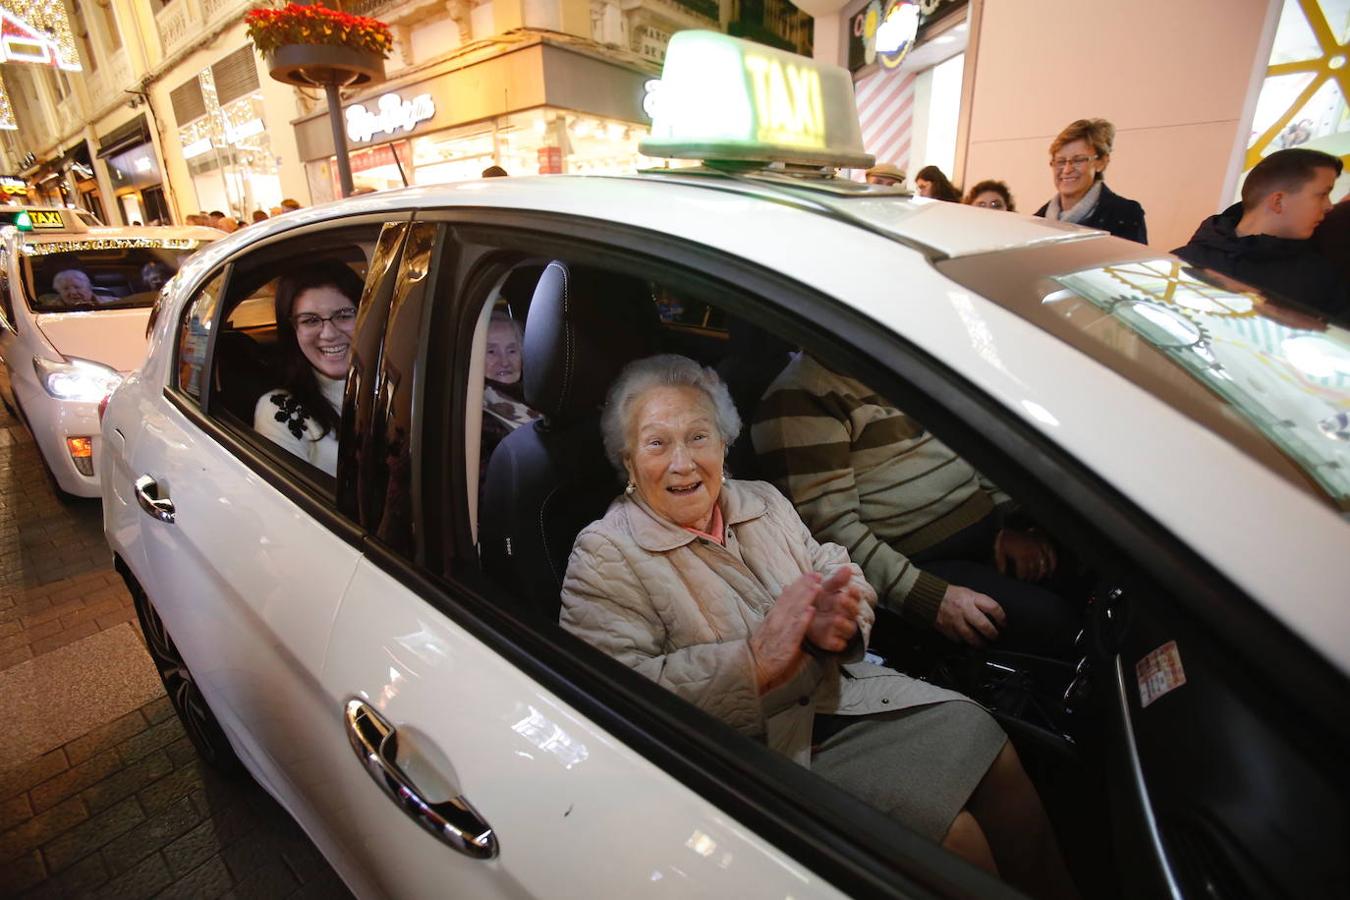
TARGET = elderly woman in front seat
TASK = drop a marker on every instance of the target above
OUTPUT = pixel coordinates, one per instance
(715, 589)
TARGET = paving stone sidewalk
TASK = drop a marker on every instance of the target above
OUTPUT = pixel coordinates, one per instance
(125, 809)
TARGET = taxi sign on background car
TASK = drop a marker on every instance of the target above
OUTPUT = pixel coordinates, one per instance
(723, 98)
(44, 219)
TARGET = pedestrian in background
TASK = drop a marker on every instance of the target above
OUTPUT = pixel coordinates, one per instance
(495, 172)
(1265, 240)
(290, 204)
(259, 215)
(886, 174)
(991, 194)
(932, 183)
(1078, 160)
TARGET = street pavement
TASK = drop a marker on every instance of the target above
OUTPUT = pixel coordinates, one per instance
(101, 793)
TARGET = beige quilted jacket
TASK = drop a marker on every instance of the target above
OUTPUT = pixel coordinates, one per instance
(679, 609)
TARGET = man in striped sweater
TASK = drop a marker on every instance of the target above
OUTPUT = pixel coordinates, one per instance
(922, 523)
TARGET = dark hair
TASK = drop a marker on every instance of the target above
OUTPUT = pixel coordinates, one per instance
(217, 214)
(1285, 170)
(943, 189)
(494, 172)
(259, 215)
(297, 374)
(990, 184)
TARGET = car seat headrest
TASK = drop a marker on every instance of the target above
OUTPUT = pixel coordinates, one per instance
(583, 327)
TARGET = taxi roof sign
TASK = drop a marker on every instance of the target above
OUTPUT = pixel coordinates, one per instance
(724, 98)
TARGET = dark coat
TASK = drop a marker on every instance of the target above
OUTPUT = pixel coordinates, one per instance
(1123, 218)
(1286, 267)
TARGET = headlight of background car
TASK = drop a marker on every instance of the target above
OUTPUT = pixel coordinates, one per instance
(76, 379)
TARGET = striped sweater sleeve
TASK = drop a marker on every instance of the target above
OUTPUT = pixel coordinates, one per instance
(803, 443)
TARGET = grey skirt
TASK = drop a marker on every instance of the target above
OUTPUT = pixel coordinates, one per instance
(917, 765)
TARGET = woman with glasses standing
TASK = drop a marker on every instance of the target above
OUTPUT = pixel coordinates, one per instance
(1078, 160)
(316, 315)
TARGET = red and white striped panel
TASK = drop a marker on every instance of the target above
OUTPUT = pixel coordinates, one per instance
(886, 113)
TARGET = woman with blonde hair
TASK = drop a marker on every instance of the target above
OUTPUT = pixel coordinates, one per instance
(1079, 156)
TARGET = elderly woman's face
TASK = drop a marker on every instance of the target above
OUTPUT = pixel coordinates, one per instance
(675, 454)
(503, 352)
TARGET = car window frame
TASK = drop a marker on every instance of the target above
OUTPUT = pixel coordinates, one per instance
(7, 317)
(318, 500)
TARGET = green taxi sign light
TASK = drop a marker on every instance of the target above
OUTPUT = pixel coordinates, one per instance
(23, 221)
(723, 98)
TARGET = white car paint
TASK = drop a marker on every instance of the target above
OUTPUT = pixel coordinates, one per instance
(294, 622)
(114, 338)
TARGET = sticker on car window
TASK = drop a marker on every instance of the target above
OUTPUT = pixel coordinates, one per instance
(1159, 673)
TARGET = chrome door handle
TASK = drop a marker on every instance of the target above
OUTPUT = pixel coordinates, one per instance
(147, 495)
(454, 822)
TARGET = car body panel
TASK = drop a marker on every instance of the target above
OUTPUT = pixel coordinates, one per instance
(114, 337)
(560, 794)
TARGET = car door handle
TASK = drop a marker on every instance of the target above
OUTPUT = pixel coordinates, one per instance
(147, 495)
(454, 822)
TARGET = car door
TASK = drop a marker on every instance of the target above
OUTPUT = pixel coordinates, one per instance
(474, 775)
(248, 571)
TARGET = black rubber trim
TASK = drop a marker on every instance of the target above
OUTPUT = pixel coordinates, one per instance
(299, 489)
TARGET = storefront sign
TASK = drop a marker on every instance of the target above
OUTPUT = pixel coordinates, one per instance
(10, 184)
(21, 42)
(886, 30)
(395, 114)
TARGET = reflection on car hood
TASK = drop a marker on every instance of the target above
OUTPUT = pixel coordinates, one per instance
(114, 337)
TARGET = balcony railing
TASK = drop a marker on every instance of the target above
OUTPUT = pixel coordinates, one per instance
(706, 8)
(174, 22)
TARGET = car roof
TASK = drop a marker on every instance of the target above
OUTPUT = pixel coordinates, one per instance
(1177, 471)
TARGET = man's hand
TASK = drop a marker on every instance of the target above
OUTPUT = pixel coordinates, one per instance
(1025, 555)
(969, 616)
(836, 617)
(776, 645)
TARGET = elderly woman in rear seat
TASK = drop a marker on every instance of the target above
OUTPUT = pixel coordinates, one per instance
(316, 315)
(715, 589)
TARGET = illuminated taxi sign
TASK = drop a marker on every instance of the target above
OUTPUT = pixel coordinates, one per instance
(722, 98)
(45, 220)
(127, 243)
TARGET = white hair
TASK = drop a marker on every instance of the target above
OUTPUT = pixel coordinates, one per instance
(663, 370)
(66, 275)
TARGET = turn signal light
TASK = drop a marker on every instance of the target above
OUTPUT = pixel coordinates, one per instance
(82, 453)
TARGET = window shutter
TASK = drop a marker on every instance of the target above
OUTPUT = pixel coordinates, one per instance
(188, 102)
(235, 75)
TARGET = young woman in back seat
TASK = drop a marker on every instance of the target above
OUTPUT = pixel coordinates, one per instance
(316, 315)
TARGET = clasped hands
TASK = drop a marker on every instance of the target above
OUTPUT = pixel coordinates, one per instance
(974, 618)
(823, 611)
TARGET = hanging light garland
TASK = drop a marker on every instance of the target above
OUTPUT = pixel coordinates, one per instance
(7, 121)
(38, 31)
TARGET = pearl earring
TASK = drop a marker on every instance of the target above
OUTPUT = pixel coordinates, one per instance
(631, 487)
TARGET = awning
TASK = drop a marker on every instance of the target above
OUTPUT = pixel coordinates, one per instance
(132, 134)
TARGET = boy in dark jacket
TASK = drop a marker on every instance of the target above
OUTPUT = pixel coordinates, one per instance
(1264, 240)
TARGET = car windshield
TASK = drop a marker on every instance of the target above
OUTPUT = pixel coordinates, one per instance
(103, 273)
(1271, 378)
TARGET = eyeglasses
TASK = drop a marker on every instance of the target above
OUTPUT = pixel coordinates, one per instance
(313, 322)
(1076, 162)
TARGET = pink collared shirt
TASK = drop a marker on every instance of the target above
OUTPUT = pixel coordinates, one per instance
(717, 530)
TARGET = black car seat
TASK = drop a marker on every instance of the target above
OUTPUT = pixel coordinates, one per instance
(754, 359)
(547, 481)
(244, 370)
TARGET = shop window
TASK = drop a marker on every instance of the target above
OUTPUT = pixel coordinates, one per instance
(1303, 100)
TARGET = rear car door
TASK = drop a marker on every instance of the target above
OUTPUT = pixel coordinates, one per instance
(249, 573)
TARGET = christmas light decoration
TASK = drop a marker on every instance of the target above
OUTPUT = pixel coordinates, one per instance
(7, 121)
(37, 31)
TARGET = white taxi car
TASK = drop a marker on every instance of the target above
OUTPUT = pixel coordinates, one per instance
(74, 302)
(378, 644)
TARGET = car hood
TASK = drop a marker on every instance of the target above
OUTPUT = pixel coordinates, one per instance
(113, 337)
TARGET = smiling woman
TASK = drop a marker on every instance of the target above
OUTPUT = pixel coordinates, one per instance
(316, 314)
